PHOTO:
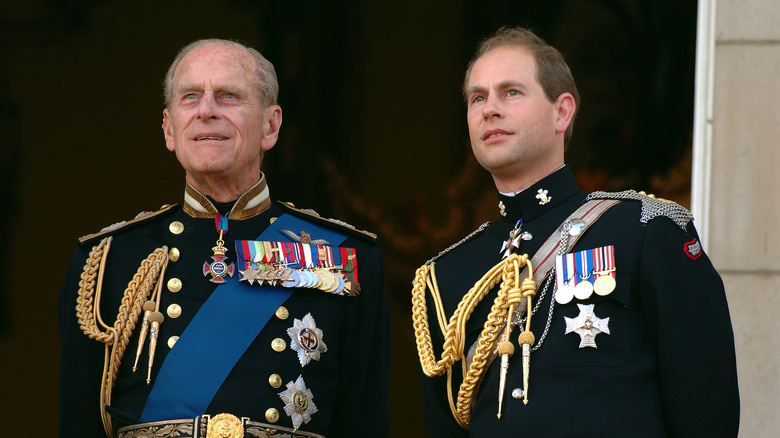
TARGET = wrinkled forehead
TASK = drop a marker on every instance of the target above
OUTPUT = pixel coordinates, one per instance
(214, 62)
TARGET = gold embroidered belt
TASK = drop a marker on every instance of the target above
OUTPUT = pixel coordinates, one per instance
(206, 426)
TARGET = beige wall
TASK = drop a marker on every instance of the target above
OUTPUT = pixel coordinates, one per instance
(742, 201)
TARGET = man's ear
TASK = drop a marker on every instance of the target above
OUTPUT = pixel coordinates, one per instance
(272, 124)
(167, 128)
(565, 112)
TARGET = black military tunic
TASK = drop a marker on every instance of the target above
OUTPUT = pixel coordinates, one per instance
(348, 382)
(667, 366)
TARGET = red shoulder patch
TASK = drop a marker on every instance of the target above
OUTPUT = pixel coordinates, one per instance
(693, 248)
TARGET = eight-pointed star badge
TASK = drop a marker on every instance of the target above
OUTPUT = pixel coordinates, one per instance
(306, 339)
(587, 325)
(298, 402)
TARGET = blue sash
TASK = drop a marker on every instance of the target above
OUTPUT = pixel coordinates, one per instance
(218, 336)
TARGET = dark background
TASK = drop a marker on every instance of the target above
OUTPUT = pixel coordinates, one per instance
(374, 133)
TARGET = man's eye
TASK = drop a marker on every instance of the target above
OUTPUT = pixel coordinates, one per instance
(513, 93)
(476, 99)
(190, 96)
(230, 96)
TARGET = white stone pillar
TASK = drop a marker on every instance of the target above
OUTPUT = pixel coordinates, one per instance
(736, 187)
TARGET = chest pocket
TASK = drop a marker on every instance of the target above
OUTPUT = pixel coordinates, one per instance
(612, 349)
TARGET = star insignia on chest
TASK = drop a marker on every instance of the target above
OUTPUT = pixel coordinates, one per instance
(298, 402)
(306, 339)
(587, 325)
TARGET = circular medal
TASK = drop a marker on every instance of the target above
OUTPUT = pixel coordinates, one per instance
(583, 290)
(308, 279)
(604, 285)
(333, 283)
(564, 294)
(322, 280)
(294, 281)
(340, 286)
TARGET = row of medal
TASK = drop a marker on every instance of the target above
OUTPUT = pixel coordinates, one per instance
(298, 265)
(580, 274)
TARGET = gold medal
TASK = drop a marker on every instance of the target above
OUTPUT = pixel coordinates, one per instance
(604, 284)
(583, 290)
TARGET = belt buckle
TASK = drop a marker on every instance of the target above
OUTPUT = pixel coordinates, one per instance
(225, 426)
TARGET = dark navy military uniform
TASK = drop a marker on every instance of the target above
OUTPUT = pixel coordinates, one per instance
(348, 382)
(667, 368)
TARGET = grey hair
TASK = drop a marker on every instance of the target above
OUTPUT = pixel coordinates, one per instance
(267, 83)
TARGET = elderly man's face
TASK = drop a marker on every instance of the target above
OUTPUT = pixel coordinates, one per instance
(216, 124)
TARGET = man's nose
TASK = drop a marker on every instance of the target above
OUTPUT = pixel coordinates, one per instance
(492, 107)
(208, 107)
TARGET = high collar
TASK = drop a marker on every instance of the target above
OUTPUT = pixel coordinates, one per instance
(251, 203)
(540, 197)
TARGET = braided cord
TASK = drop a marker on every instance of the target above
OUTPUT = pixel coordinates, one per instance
(117, 337)
(510, 294)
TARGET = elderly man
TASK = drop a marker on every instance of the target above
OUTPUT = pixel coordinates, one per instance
(229, 315)
(572, 314)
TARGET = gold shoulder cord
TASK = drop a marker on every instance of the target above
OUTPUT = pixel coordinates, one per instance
(510, 294)
(116, 337)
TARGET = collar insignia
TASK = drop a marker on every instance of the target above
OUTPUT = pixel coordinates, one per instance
(502, 208)
(541, 195)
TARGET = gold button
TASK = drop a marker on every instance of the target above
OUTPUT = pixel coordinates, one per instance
(282, 313)
(273, 219)
(275, 380)
(174, 311)
(173, 254)
(272, 415)
(174, 285)
(172, 341)
(278, 345)
(176, 227)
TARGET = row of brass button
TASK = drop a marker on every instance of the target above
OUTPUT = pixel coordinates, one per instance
(174, 311)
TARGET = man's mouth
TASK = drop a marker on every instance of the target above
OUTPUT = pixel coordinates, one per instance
(493, 134)
(210, 138)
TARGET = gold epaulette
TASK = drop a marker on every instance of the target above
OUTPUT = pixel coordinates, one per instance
(328, 222)
(139, 218)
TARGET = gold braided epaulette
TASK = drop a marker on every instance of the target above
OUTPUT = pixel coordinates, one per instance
(111, 229)
(328, 222)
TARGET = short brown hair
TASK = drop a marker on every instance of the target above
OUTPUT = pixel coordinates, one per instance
(552, 72)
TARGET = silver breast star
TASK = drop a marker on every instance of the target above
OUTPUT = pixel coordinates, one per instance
(587, 325)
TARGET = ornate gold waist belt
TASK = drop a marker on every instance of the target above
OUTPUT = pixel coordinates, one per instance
(206, 426)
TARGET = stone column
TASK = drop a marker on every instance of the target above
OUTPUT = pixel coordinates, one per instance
(736, 187)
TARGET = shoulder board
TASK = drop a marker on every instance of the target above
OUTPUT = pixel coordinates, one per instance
(328, 222)
(652, 207)
(460, 242)
(116, 228)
